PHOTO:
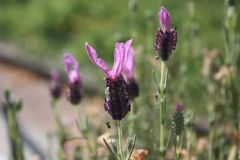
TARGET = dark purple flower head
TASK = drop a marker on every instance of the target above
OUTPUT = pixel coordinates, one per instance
(132, 88)
(120, 58)
(74, 80)
(179, 107)
(55, 84)
(116, 98)
(166, 37)
(128, 70)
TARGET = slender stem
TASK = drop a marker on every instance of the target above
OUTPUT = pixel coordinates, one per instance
(178, 147)
(162, 108)
(189, 143)
(15, 137)
(57, 114)
(119, 128)
(60, 128)
(210, 156)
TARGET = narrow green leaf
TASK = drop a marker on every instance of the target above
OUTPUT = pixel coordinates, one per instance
(110, 149)
(131, 144)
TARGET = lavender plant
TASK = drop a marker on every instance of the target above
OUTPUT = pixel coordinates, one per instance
(117, 102)
(166, 39)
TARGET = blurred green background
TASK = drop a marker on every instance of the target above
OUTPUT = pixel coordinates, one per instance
(51, 27)
(48, 28)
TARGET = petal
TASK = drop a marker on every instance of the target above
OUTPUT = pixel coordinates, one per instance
(74, 76)
(129, 67)
(118, 57)
(165, 19)
(71, 65)
(127, 46)
(70, 62)
(54, 75)
(97, 61)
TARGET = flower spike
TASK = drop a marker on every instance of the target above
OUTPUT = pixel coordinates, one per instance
(116, 98)
(166, 37)
(55, 84)
(74, 80)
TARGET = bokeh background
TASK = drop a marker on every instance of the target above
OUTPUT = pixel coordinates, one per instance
(40, 31)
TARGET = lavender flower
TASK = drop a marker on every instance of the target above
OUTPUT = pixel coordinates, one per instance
(74, 80)
(178, 119)
(128, 69)
(166, 37)
(55, 84)
(116, 97)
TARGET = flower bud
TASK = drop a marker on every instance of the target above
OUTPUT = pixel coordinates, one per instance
(166, 37)
(55, 85)
(178, 119)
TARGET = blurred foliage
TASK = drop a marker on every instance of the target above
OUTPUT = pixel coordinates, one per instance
(50, 27)
(47, 28)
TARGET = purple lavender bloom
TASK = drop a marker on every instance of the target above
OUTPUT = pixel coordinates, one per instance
(166, 37)
(55, 84)
(74, 80)
(116, 98)
(178, 119)
(128, 70)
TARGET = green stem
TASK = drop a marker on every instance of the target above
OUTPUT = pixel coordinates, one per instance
(15, 137)
(119, 128)
(56, 113)
(189, 143)
(178, 147)
(60, 129)
(162, 108)
(210, 156)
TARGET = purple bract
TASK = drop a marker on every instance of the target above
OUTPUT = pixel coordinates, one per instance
(120, 58)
